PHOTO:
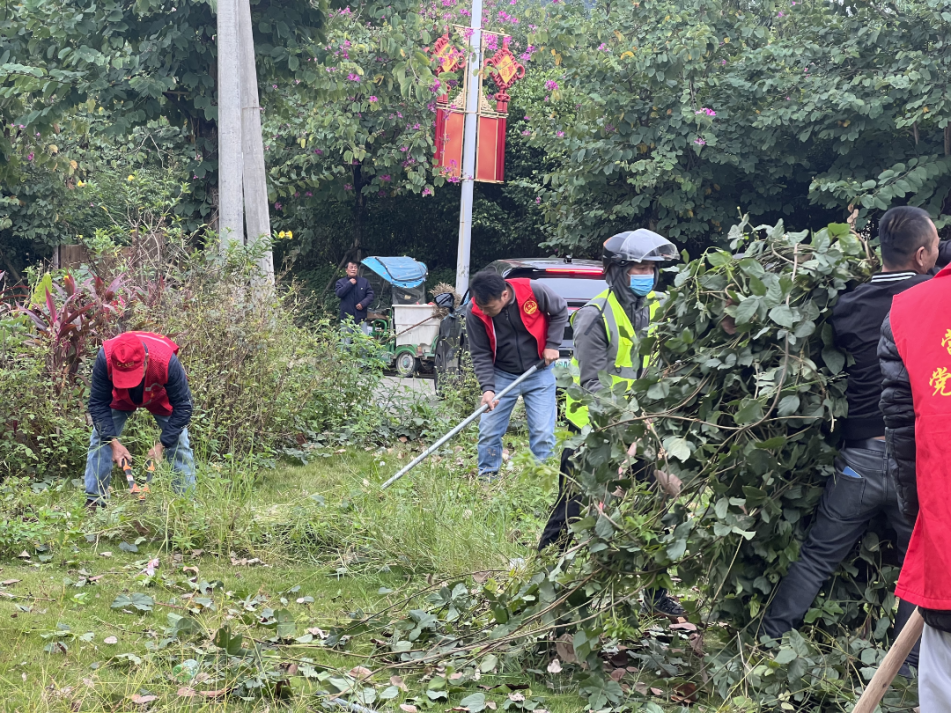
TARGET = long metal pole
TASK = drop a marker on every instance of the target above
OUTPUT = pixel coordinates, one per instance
(255, 180)
(438, 444)
(469, 148)
(230, 164)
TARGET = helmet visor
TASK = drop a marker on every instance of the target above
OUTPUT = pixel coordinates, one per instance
(641, 246)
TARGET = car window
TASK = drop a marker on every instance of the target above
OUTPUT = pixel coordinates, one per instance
(574, 288)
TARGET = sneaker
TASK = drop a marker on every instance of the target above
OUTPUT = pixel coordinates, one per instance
(663, 606)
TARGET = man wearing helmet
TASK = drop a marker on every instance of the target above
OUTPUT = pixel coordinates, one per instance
(604, 341)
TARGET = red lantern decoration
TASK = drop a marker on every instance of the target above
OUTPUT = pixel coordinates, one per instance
(450, 117)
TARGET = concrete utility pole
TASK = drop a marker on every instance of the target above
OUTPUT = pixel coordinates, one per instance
(255, 181)
(230, 160)
(469, 149)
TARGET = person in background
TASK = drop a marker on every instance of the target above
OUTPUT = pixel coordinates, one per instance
(355, 294)
(915, 352)
(138, 370)
(510, 326)
(860, 488)
(605, 337)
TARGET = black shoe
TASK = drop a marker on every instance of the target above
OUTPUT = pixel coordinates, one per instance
(663, 606)
(93, 505)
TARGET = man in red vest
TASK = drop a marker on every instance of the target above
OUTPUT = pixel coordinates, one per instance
(915, 354)
(137, 369)
(511, 325)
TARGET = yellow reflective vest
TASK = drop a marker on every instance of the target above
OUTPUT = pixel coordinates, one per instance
(620, 333)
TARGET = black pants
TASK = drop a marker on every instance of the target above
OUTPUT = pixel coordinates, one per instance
(567, 508)
(846, 507)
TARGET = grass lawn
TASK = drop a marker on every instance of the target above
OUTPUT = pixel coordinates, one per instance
(87, 628)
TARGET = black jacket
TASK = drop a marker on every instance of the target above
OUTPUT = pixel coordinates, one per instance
(857, 321)
(899, 411)
(352, 295)
(516, 350)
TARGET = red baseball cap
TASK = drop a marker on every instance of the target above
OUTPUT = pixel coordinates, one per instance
(128, 356)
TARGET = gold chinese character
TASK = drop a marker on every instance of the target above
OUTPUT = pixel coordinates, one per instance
(946, 342)
(939, 382)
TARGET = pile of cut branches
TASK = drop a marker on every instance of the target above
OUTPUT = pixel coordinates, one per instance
(740, 401)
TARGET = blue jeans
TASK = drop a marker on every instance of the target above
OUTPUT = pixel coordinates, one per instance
(538, 393)
(99, 459)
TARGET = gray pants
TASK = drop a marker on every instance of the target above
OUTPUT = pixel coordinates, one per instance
(847, 505)
(934, 676)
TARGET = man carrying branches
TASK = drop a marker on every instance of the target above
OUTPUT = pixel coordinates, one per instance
(860, 487)
(606, 331)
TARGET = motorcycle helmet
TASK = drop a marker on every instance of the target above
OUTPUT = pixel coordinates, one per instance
(639, 245)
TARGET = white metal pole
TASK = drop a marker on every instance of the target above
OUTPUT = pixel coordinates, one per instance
(469, 149)
(255, 179)
(230, 164)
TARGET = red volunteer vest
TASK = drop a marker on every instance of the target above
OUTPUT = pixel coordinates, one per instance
(154, 399)
(534, 320)
(922, 329)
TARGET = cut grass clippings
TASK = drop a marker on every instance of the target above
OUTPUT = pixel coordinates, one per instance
(290, 552)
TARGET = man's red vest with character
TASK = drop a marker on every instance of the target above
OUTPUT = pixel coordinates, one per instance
(922, 329)
(535, 321)
(159, 350)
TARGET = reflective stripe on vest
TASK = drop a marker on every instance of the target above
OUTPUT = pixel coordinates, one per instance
(620, 333)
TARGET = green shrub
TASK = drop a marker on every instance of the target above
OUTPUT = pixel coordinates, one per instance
(262, 377)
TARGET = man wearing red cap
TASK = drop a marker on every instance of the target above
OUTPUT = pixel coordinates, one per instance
(138, 369)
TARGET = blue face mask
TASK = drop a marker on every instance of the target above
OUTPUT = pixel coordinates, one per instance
(641, 285)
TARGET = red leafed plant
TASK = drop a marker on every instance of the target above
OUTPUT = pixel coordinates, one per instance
(72, 320)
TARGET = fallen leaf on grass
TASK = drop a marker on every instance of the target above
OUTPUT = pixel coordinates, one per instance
(245, 562)
(618, 673)
(186, 692)
(641, 688)
(105, 554)
(685, 693)
(360, 672)
(214, 694)
(566, 651)
(142, 700)
(517, 697)
(407, 708)
(657, 691)
(696, 644)
(398, 682)
(9, 582)
(554, 666)
(110, 640)
(683, 626)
